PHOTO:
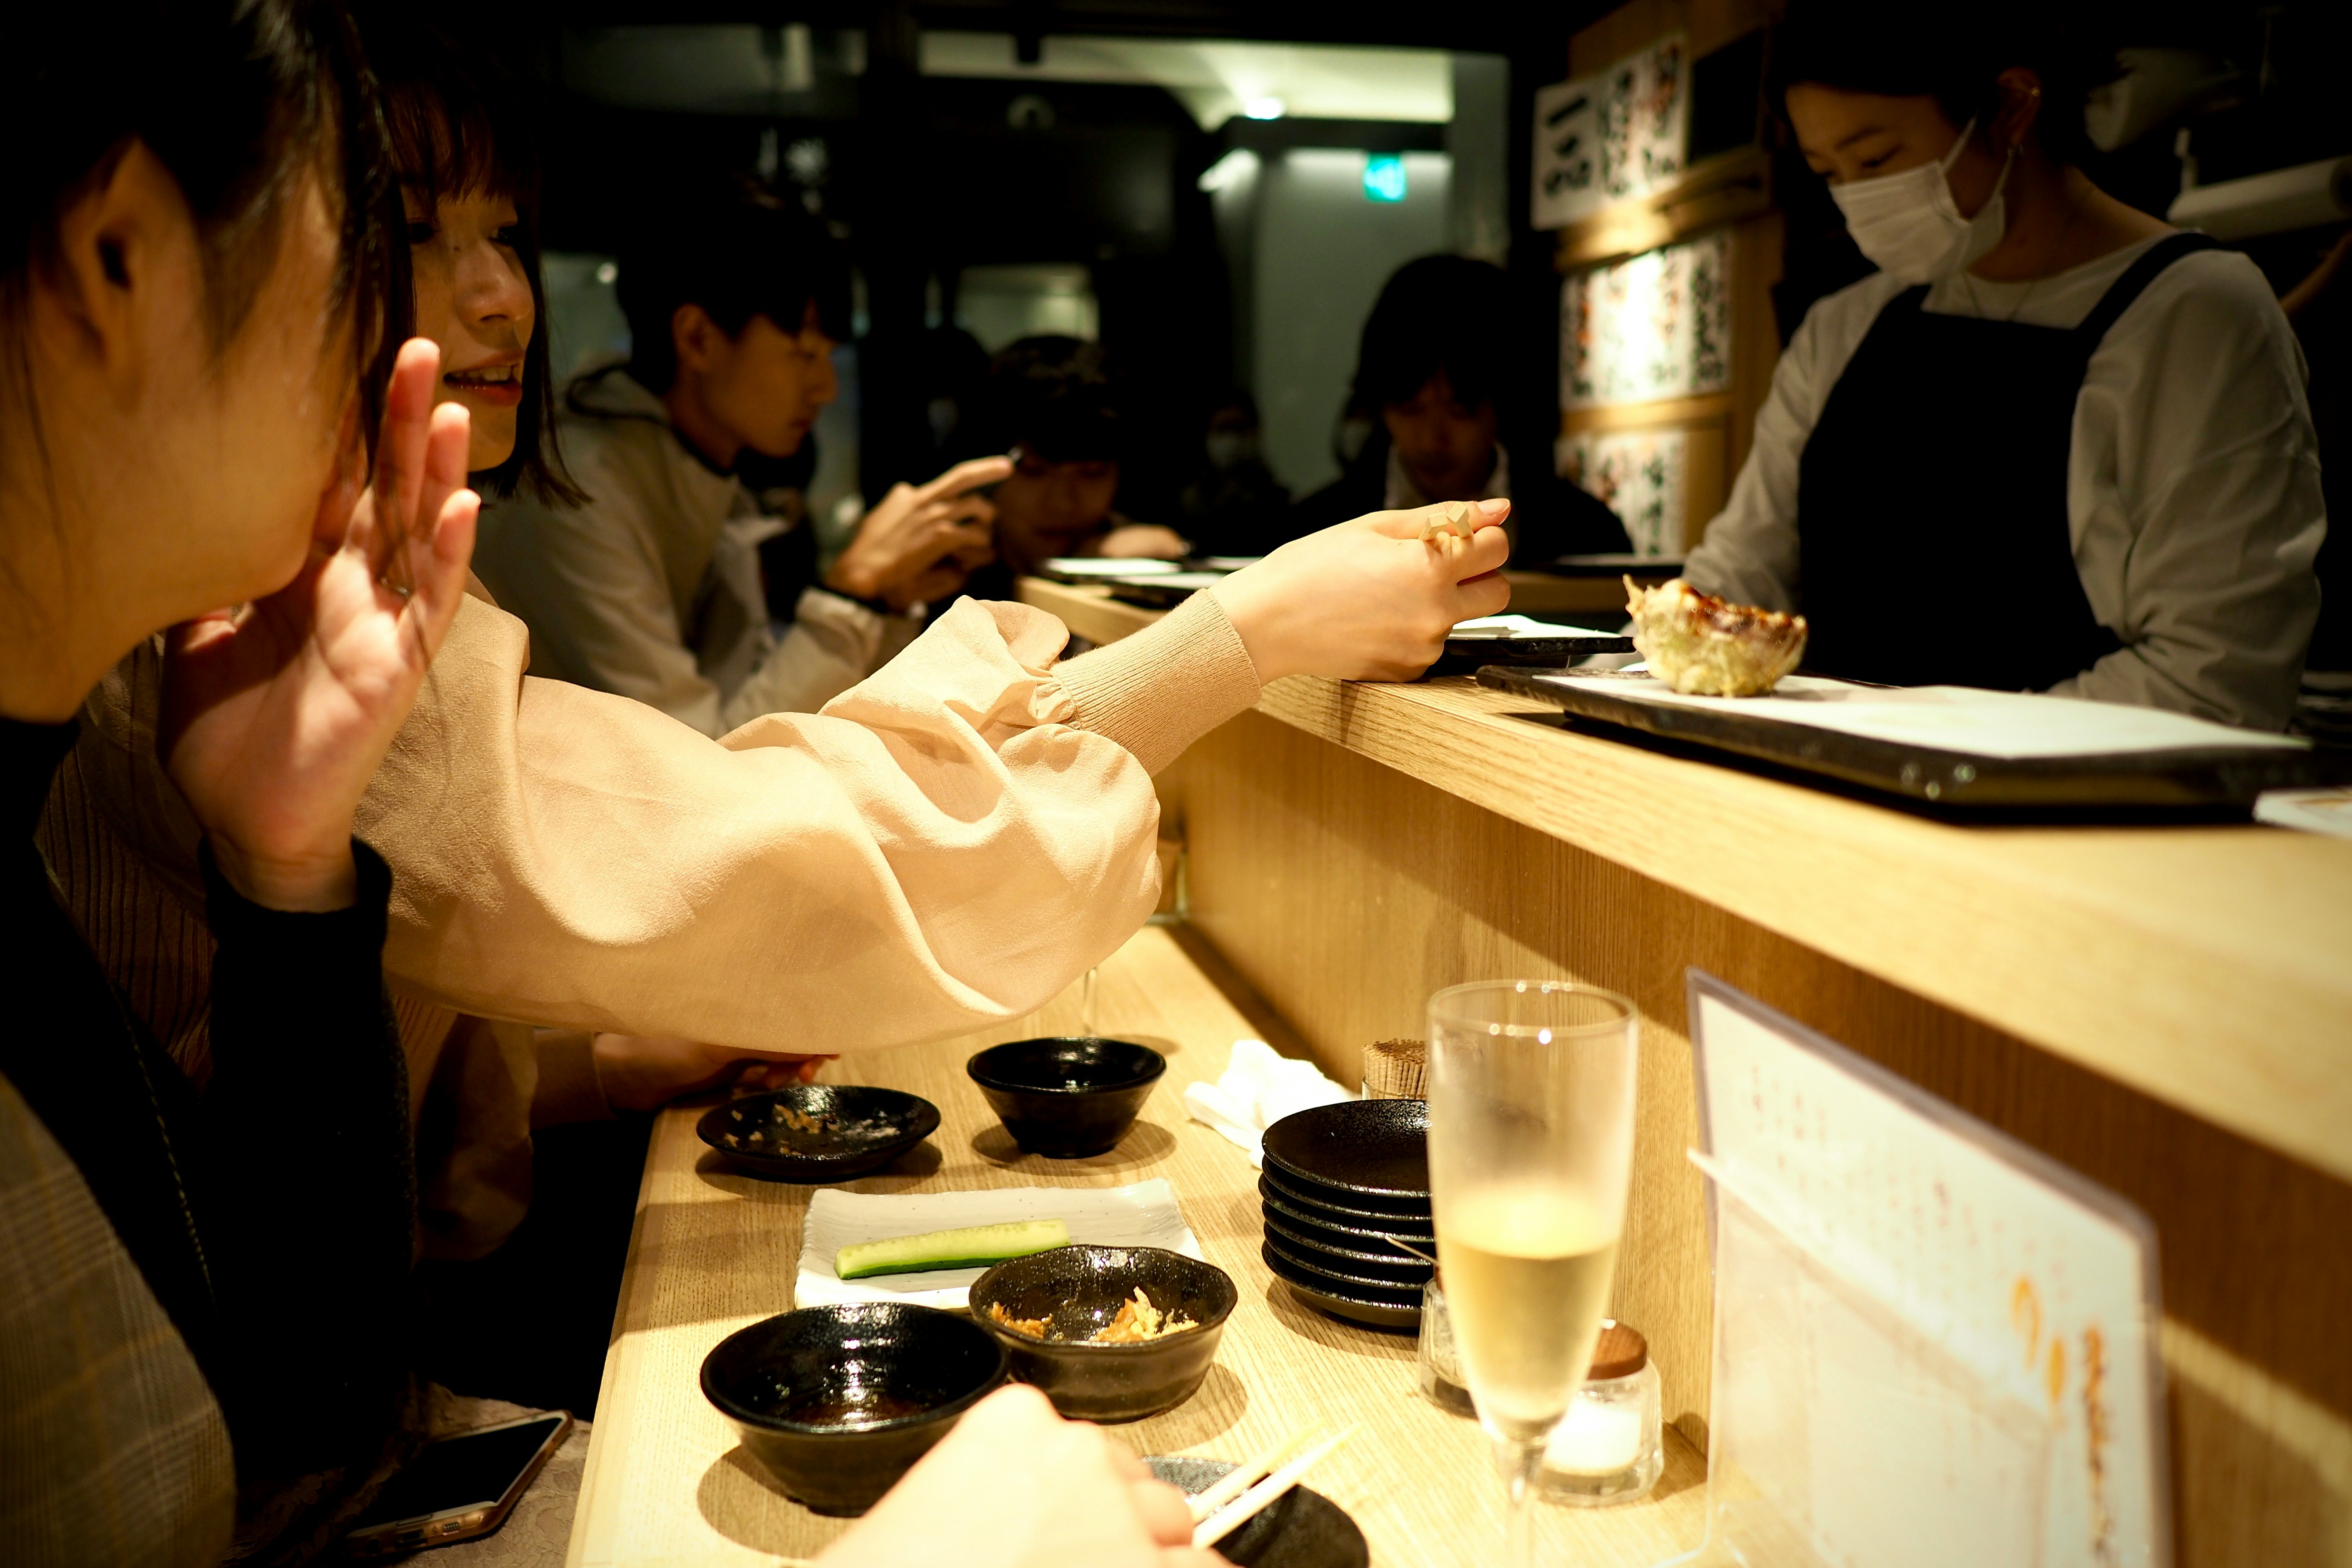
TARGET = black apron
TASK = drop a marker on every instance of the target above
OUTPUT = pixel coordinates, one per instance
(1932, 544)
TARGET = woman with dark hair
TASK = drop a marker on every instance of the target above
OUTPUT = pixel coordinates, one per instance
(2052, 444)
(199, 1332)
(468, 161)
(1433, 371)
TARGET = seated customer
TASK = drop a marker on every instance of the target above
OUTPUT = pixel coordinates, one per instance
(2049, 418)
(200, 1289)
(650, 585)
(1054, 403)
(1432, 363)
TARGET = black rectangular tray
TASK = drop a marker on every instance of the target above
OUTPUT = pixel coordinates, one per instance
(2171, 780)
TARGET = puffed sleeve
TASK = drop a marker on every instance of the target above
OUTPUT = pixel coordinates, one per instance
(946, 845)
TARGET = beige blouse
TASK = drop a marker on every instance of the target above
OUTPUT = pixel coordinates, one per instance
(947, 845)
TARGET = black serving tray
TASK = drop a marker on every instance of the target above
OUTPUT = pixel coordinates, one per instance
(2206, 778)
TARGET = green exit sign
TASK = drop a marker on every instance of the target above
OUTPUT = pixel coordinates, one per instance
(1384, 177)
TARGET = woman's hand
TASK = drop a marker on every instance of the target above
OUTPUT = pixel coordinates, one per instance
(277, 714)
(1015, 1486)
(646, 1072)
(927, 538)
(1368, 600)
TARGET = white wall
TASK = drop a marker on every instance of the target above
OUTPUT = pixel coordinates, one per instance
(1320, 252)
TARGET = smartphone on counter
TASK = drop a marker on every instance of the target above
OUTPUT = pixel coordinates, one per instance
(459, 1488)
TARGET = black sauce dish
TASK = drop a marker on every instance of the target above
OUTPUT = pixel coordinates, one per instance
(817, 1131)
(839, 1401)
(1077, 1291)
(1066, 1098)
(1301, 1529)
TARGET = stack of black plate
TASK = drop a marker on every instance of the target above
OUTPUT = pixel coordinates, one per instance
(1348, 1223)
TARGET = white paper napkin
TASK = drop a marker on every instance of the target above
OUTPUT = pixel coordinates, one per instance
(1258, 1088)
(1144, 1214)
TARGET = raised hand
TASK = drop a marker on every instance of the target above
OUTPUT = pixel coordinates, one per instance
(919, 542)
(276, 713)
(1371, 599)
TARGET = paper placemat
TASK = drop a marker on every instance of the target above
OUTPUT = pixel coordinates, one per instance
(2012, 725)
(1144, 1214)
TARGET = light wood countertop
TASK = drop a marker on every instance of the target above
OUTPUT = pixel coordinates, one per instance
(2208, 967)
(713, 1251)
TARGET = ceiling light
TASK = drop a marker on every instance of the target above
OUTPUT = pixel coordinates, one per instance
(1263, 107)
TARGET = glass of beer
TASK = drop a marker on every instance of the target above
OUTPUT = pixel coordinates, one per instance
(1530, 1147)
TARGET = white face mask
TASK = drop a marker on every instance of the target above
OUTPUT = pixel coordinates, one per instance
(1908, 223)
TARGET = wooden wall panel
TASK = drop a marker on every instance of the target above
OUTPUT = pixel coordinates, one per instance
(1347, 892)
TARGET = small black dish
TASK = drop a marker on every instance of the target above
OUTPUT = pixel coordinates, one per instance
(1375, 1308)
(1301, 1529)
(839, 1401)
(1078, 1291)
(1373, 1264)
(1066, 1098)
(857, 1129)
(1370, 1152)
(1279, 1198)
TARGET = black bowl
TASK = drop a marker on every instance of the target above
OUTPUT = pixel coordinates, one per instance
(1300, 1529)
(1373, 1153)
(1077, 1290)
(1378, 1309)
(839, 1401)
(1070, 1097)
(1374, 1263)
(1280, 1199)
(860, 1128)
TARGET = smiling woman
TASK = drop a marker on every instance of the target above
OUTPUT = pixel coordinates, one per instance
(468, 168)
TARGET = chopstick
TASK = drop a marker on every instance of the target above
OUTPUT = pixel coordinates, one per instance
(1217, 1526)
(1235, 1481)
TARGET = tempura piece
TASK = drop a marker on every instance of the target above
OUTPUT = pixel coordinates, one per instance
(1704, 645)
(1032, 1327)
(1139, 1320)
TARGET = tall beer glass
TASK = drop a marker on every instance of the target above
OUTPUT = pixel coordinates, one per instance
(1530, 1146)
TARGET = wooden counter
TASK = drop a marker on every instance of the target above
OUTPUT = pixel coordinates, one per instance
(2166, 1009)
(714, 1251)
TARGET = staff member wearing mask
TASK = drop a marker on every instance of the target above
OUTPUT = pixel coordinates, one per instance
(2052, 444)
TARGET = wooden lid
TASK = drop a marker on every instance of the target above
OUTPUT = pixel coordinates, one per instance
(1620, 1352)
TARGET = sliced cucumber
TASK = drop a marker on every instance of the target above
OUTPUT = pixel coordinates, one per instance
(973, 1246)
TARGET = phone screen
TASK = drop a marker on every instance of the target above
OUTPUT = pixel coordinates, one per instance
(460, 1472)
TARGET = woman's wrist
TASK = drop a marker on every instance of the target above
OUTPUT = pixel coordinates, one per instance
(314, 882)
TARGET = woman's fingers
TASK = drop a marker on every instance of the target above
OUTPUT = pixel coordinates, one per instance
(1162, 1509)
(1482, 551)
(437, 573)
(389, 513)
(1413, 522)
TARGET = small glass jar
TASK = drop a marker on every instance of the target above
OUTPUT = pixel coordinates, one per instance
(1610, 1448)
(1440, 1361)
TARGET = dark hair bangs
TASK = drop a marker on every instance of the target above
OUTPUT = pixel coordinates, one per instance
(460, 126)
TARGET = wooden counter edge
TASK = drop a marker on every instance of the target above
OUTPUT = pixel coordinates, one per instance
(2063, 937)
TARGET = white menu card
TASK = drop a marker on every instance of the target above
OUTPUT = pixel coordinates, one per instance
(1933, 1344)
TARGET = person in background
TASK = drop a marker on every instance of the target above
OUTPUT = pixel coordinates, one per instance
(201, 1277)
(1431, 364)
(650, 585)
(2049, 418)
(1234, 506)
(1054, 403)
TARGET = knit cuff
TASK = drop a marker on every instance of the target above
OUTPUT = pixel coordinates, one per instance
(1158, 691)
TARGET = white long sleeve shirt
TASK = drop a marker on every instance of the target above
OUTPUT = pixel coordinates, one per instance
(652, 589)
(2193, 489)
